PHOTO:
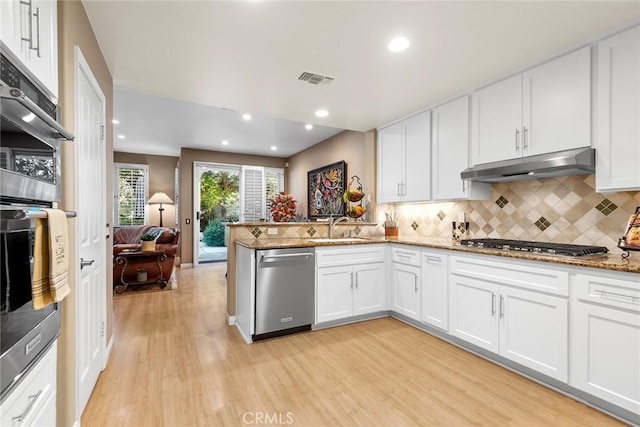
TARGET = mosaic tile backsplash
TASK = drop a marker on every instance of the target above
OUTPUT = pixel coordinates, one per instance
(565, 209)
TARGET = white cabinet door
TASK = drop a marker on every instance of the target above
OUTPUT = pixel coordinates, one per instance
(496, 121)
(405, 282)
(417, 158)
(370, 295)
(557, 104)
(617, 112)
(43, 59)
(473, 314)
(47, 415)
(390, 163)
(12, 26)
(334, 295)
(534, 331)
(605, 354)
(435, 295)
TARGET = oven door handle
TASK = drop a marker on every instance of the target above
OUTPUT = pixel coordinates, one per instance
(84, 263)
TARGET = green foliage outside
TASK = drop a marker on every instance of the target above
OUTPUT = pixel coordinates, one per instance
(219, 200)
(127, 213)
(214, 234)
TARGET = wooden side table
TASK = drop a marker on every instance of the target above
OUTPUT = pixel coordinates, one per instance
(124, 257)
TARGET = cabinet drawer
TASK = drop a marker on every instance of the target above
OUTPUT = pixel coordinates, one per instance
(405, 256)
(29, 397)
(363, 254)
(513, 273)
(608, 291)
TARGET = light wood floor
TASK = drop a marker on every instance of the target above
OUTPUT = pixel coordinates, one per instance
(176, 363)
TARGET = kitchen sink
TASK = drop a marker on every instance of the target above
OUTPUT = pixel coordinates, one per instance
(338, 240)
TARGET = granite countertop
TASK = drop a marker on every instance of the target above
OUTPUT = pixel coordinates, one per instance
(606, 262)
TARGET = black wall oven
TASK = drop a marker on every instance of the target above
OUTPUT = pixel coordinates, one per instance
(29, 181)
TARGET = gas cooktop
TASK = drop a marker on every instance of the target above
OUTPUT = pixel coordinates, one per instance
(536, 247)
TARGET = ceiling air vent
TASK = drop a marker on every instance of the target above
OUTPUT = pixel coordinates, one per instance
(315, 79)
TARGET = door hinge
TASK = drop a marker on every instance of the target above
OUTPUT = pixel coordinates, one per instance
(102, 133)
(102, 330)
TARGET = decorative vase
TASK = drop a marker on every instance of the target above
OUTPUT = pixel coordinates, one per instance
(148, 246)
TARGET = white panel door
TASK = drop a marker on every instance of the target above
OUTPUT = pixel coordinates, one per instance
(606, 354)
(435, 295)
(557, 104)
(450, 141)
(91, 291)
(496, 119)
(405, 290)
(390, 163)
(11, 26)
(369, 288)
(417, 158)
(534, 331)
(334, 293)
(43, 59)
(473, 314)
(617, 139)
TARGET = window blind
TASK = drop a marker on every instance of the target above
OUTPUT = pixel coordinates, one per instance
(253, 194)
(131, 192)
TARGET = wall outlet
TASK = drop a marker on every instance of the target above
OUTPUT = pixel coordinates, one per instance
(272, 231)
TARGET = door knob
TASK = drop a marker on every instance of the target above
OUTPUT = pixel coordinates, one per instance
(84, 263)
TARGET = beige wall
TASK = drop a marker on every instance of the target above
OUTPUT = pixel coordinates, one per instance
(357, 149)
(187, 158)
(74, 29)
(161, 178)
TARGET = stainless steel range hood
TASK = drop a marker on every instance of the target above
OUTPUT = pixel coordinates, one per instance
(579, 161)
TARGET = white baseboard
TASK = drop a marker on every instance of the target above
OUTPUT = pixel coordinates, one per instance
(231, 320)
(107, 353)
(187, 265)
(76, 423)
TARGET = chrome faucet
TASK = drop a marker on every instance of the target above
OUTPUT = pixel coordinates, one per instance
(333, 223)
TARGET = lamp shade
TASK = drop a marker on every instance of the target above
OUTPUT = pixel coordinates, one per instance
(160, 198)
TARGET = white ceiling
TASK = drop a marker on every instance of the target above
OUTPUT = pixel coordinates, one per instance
(247, 56)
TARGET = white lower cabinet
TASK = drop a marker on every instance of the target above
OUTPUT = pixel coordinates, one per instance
(530, 328)
(405, 293)
(435, 290)
(33, 402)
(355, 288)
(605, 357)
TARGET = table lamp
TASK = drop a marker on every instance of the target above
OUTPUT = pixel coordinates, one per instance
(158, 199)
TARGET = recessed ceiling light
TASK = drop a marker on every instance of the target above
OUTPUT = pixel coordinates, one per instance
(398, 44)
(246, 116)
(308, 126)
(115, 122)
(121, 136)
(322, 113)
(225, 142)
(274, 148)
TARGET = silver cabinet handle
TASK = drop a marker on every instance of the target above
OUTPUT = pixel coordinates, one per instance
(415, 282)
(517, 139)
(525, 143)
(501, 306)
(37, 15)
(493, 304)
(266, 257)
(464, 186)
(398, 190)
(433, 258)
(32, 401)
(29, 39)
(403, 190)
(355, 273)
(84, 263)
(633, 299)
(352, 280)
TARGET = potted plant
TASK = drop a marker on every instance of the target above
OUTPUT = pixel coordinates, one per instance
(148, 242)
(141, 274)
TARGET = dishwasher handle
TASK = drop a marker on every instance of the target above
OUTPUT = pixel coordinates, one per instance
(303, 254)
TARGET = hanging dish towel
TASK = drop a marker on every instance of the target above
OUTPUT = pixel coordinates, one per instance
(51, 259)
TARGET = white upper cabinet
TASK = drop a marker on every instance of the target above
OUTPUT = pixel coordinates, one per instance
(450, 151)
(617, 139)
(556, 109)
(404, 160)
(30, 31)
(542, 110)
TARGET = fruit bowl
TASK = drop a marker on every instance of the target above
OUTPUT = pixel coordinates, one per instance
(353, 196)
(356, 212)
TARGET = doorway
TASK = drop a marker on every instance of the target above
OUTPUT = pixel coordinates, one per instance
(217, 198)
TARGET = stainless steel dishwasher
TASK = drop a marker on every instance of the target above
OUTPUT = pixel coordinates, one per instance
(284, 291)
